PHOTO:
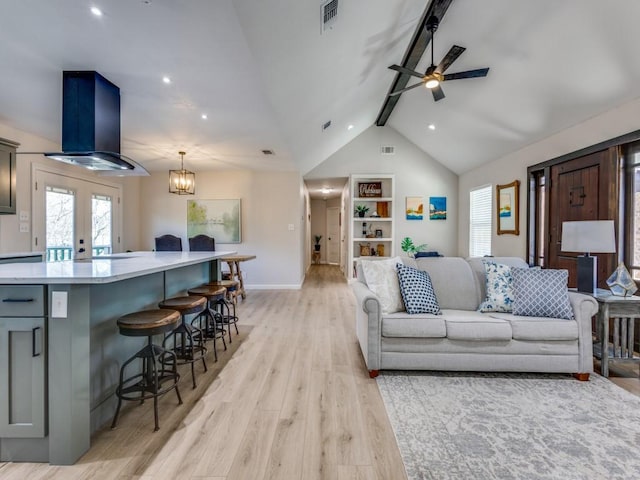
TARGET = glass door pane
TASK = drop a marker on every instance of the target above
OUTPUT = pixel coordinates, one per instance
(60, 223)
(101, 225)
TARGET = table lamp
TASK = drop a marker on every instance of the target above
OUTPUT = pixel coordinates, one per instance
(591, 236)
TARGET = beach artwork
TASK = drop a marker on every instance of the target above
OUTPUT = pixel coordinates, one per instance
(437, 208)
(414, 208)
(505, 205)
(219, 219)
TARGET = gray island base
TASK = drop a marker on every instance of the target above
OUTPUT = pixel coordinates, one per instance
(60, 350)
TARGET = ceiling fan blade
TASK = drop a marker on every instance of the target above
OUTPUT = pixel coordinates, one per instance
(437, 92)
(481, 72)
(451, 56)
(400, 69)
(405, 89)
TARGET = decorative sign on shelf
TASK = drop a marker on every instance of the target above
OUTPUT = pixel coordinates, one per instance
(370, 189)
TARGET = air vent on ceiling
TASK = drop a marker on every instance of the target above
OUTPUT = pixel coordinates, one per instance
(329, 14)
(387, 150)
(268, 152)
(326, 125)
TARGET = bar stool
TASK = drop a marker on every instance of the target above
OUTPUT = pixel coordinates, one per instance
(224, 304)
(155, 360)
(188, 341)
(213, 328)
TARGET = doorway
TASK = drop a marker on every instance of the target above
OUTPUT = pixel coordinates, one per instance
(75, 218)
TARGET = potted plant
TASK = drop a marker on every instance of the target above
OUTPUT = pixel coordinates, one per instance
(360, 210)
(317, 245)
(410, 248)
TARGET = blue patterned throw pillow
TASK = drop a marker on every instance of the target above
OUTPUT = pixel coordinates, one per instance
(417, 290)
(541, 293)
(499, 296)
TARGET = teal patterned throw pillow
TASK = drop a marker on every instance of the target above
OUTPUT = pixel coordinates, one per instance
(499, 297)
(417, 291)
(541, 293)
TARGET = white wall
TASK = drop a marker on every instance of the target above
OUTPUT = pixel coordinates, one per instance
(11, 240)
(416, 174)
(270, 202)
(611, 124)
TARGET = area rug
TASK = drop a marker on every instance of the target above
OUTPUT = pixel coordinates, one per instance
(512, 426)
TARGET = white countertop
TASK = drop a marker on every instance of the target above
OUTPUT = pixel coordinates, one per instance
(108, 269)
(21, 254)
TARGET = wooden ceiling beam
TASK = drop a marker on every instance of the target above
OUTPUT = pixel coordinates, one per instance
(418, 45)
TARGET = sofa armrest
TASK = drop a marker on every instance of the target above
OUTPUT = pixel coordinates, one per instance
(368, 324)
(584, 308)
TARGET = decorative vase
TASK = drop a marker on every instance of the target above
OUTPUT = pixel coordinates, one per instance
(361, 214)
(317, 248)
(621, 282)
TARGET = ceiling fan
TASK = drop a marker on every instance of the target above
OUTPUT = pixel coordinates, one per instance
(434, 76)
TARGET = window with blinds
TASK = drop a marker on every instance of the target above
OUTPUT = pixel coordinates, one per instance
(480, 222)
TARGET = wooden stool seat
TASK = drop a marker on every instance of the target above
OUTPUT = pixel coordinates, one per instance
(148, 322)
(228, 284)
(210, 292)
(185, 305)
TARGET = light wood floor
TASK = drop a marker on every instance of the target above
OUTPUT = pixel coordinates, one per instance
(293, 401)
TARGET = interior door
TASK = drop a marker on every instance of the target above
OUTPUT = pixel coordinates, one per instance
(585, 188)
(74, 218)
(333, 235)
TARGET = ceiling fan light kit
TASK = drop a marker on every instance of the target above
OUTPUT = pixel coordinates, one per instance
(434, 76)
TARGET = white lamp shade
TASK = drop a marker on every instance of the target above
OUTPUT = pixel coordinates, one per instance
(597, 236)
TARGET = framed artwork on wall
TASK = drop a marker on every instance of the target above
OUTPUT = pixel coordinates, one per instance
(414, 208)
(437, 208)
(219, 219)
(508, 201)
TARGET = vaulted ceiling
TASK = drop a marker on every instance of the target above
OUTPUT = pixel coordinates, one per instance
(267, 78)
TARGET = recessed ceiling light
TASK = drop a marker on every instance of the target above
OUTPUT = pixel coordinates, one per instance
(96, 11)
(204, 116)
(326, 191)
(350, 127)
(166, 80)
(432, 126)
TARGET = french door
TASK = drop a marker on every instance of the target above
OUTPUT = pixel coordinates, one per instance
(74, 218)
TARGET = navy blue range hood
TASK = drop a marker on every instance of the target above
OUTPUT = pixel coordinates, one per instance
(91, 125)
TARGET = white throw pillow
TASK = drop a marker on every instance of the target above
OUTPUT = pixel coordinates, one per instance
(382, 279)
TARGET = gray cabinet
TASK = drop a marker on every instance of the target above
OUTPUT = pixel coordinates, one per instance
(8, 176)
(22, 361)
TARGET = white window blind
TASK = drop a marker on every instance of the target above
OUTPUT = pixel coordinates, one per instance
(480, 221)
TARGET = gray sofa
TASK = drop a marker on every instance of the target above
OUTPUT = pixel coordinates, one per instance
(465, 339)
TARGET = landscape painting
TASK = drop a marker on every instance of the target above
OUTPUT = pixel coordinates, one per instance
(437, 208)
(219, 219)
(414, 208)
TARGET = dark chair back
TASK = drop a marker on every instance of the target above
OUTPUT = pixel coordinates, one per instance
(202, 243)
(168, 243)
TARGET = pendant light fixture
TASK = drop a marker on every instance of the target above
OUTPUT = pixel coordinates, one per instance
(182, 182)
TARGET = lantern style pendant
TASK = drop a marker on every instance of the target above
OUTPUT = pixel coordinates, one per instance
(182, 182)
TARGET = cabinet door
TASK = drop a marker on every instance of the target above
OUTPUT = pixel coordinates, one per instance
(7, 177)
(22, 377)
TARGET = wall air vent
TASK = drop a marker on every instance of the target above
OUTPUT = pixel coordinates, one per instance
(387, 150)
(268, 152)
(326, 125)
(328, 14)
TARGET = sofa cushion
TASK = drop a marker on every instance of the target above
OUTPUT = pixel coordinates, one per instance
(541, 293)
(464, 325)
(539, 328)
(424, 325)
(416, 290)
(477, 265)
(382, 279)
(452, 280)
(499, 296)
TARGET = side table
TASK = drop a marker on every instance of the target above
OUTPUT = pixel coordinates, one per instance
(234, 268)
(624, 311)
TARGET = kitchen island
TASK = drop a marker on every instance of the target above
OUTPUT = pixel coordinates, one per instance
(60, 350)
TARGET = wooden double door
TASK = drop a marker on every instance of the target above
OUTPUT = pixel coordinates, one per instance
(585, 188)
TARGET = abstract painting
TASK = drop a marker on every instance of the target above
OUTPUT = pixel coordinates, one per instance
(437, 208)
(219, 219)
